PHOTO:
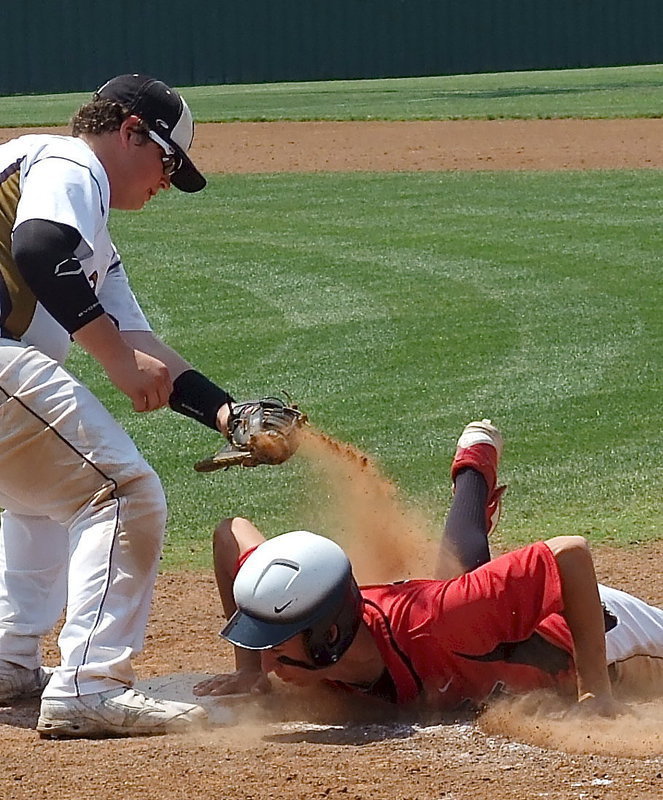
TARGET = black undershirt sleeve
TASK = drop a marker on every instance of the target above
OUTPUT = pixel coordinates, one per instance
(43, 252)
(465, 530)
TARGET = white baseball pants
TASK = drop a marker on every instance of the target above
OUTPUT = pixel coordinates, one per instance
(83, 527)
(639, 629)
(634, 647)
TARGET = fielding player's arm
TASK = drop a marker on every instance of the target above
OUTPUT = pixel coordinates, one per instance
(142, 377)
(232, 539)
(583, 613)
(45, 255)
(193, 394)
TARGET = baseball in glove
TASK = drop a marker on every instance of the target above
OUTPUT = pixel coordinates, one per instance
(266, 431)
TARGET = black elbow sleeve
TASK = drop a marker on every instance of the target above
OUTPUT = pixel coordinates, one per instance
(43, 252)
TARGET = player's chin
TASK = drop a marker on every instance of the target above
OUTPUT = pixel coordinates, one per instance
(140, 201)
(132, 204)
(294, 676)
(282, 673)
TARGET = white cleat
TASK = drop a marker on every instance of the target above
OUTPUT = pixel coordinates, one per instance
(483, 432)
(118, 712)
(480, 448)
(17, 682)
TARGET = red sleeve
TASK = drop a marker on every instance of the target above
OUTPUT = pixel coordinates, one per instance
(501, 601)
(243, 556)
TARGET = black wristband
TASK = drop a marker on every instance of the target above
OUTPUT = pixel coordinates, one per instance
(197, 397)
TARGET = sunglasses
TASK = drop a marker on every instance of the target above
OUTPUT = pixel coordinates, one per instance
(170, 160)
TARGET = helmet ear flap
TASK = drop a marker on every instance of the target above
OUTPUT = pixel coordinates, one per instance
(329, 639)
(320, 644)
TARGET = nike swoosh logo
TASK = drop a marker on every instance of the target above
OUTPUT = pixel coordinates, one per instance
(279, 609)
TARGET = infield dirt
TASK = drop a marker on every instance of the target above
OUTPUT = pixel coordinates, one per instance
(307, 749)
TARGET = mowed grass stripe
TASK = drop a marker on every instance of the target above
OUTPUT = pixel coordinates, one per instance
(395, 308)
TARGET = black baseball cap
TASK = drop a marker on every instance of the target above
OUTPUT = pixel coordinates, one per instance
(165, 113)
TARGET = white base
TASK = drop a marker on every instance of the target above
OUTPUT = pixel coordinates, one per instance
(179, 686)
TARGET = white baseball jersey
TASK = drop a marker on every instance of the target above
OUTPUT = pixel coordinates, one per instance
(59, 179)
(84, 514)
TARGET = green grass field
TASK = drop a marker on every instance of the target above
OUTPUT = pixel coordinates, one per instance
(608, 92)
(395, 308)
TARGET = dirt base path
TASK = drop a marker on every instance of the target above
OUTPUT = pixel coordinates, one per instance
(309, 751)
(420, 146)
(313, 753)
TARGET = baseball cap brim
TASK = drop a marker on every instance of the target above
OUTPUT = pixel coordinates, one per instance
(250, 633)
(187, 178)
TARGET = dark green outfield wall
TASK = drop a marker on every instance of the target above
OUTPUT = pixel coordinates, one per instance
(71, 45)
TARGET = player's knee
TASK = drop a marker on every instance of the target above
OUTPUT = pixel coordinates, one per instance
(146, 502)
(152, 489)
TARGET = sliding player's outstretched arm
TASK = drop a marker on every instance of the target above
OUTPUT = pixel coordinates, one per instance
(583, 613)
(232, 539)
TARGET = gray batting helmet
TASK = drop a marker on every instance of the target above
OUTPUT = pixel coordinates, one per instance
(298, 582)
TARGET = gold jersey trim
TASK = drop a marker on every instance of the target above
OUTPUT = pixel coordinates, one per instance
(18, 300)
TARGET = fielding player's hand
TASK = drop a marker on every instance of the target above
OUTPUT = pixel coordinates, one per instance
(144, 379)
(242, 681)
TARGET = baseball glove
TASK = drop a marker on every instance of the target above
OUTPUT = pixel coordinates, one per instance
(266, 431)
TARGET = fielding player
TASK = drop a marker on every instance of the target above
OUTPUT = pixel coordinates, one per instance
(84, 513)
(534, 618)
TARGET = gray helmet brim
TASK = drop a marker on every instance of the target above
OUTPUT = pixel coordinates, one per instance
(250, 633)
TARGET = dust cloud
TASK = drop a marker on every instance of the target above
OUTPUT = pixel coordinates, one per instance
(545, 720)
(384, 538)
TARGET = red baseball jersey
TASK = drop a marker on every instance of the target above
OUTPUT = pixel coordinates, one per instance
(456, 642)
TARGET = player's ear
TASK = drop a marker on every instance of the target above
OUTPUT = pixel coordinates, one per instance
(130, 132)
